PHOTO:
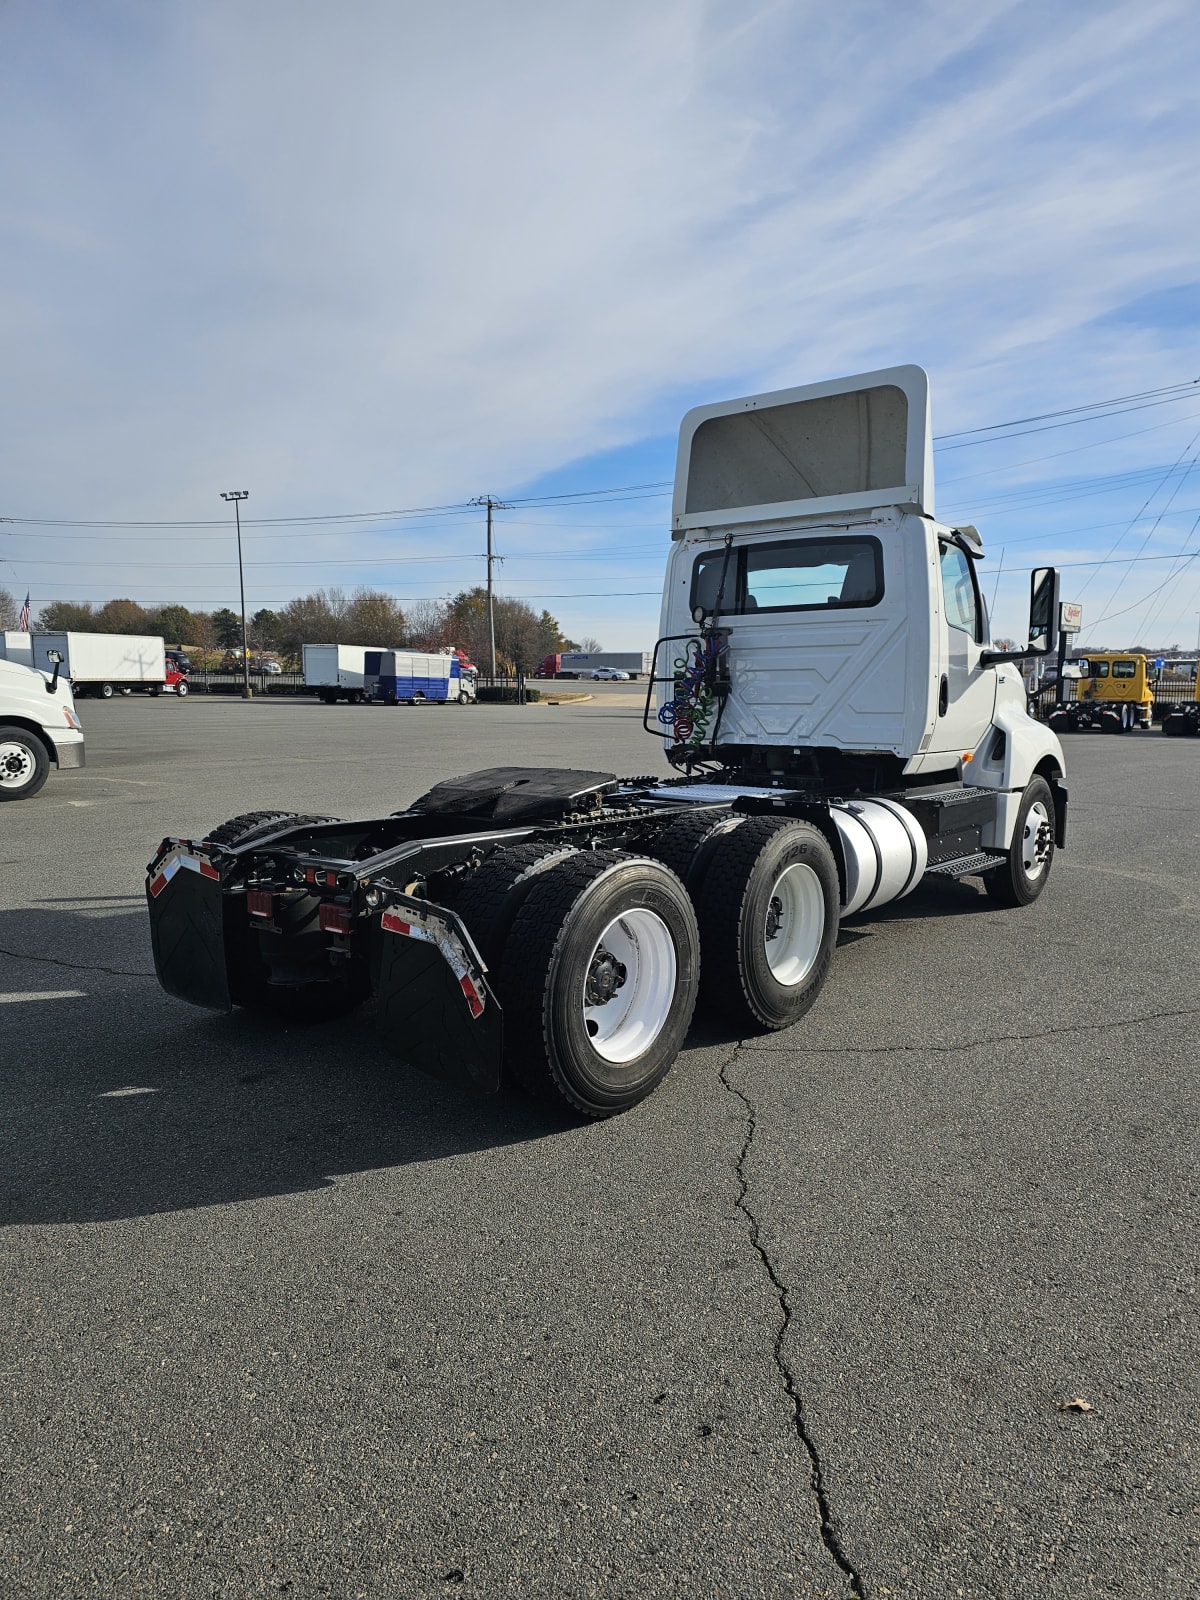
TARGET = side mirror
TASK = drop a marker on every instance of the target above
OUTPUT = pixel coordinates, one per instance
(1043, 611)
(56, 657)
(1043, 621)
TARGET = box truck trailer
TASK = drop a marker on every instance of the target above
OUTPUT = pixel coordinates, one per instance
(106, 664)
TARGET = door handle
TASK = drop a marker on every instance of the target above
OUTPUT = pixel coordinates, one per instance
(944, 696)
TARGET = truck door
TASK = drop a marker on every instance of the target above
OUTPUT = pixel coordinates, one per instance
(966, 691)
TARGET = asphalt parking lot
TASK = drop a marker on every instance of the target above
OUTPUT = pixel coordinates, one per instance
(900, 1302)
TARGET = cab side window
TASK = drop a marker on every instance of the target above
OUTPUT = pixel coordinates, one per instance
(958, 589)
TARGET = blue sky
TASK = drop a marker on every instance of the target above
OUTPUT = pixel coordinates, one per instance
(364, 258)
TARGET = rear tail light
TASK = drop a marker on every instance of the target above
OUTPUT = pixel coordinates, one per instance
(335, 918)
(260, 903)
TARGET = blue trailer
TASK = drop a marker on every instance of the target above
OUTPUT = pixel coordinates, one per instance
(393, 677)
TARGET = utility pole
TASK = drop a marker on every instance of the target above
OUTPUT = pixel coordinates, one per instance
(492, 505)
(237, 496)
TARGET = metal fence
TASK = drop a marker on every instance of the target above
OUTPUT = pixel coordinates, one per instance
(201, 682)
(1168, 692)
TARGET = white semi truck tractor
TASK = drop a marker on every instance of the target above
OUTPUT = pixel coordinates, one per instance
(837, 726)
(39, 727)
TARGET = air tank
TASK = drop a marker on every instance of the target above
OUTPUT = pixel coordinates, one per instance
(884, 848)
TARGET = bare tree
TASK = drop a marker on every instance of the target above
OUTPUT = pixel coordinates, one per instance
(8, 610)
(428, 626)
(590, 644)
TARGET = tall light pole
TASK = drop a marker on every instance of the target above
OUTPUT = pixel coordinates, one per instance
(492, 505)
(237, 496)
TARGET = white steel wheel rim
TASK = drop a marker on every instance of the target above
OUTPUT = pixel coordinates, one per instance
(795, 924)
(16, 764)
(627, 1024)
(1036, 818)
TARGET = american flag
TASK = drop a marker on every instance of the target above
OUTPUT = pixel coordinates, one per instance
(23, 619)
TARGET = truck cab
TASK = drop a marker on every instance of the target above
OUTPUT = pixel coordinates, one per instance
(39, 728)
(854, 625)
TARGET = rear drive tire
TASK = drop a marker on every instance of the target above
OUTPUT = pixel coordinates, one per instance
(768, 922)
(1025, 873)
(686, 846)
(24, 763)
(489, 902)
(240, 830)
(598, 981)
(105, 691)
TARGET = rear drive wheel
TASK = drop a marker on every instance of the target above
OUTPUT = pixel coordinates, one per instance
(686, 845)
(105, 691)
(24, 763)
(598, 981)
(768, 922)
(1024, 874)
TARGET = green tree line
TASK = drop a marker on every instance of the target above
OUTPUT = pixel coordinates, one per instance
(330, 616)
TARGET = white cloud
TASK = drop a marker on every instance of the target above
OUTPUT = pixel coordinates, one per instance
(388, 254)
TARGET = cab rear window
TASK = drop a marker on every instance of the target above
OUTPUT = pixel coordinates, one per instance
(1124, 669)
(790, 575)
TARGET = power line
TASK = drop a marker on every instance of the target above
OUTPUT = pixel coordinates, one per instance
(1174, 389)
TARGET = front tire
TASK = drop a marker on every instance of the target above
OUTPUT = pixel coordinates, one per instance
(1025, 873)
(24, 763)
(599, 980)
(768, 922)
(181, 689)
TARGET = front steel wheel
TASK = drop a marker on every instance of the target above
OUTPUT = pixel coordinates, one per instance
(1022, 877)
(24, 764)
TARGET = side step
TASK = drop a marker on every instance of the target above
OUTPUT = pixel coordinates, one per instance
(967, 866)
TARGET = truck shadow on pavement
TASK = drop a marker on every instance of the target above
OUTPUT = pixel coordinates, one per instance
(118, 1101)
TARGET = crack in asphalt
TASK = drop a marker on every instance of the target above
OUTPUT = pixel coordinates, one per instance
(75, 966)
(967, 1044)
(816, 1475)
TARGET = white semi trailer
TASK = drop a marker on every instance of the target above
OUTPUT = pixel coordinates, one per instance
(582, 663)
(837, 726)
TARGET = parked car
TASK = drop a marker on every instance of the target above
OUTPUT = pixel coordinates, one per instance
(269, 667)
(610, 675)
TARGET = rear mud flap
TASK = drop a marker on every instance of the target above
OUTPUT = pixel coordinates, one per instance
(187, 934)
(426, 1018)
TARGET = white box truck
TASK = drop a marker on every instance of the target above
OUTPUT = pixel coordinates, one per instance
(16, 647)
(105, 664)
(409, 677)
(336, 671)
(582, 663)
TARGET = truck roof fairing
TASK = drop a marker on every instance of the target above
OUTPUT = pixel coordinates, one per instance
(847, 445)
